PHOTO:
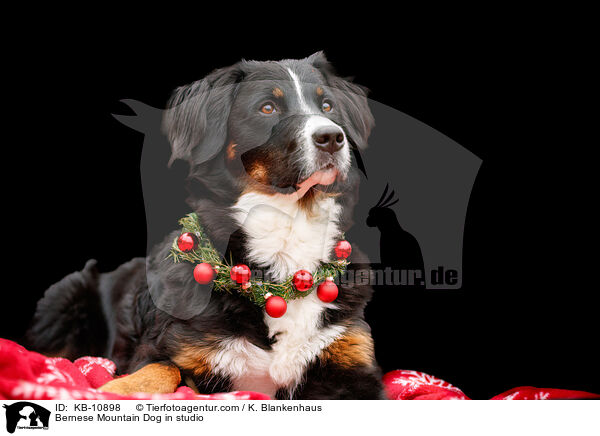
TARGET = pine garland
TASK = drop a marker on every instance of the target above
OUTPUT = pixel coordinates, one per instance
(206, 252)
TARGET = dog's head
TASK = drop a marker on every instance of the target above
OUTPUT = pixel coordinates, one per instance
(286, 127)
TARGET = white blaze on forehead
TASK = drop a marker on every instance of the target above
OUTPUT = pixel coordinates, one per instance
(298, 87)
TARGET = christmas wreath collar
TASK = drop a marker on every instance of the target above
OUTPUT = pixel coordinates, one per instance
(194, 246)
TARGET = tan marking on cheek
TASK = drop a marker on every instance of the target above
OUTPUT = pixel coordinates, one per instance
(259, 173)
(319, 91)
(155, 378)
(231, 151)
(277, 92)
(353, 349)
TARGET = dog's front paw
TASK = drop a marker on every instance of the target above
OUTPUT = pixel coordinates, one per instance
(155, 378)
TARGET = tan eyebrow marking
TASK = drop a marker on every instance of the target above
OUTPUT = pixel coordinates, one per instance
(319, 90)
(277, 92)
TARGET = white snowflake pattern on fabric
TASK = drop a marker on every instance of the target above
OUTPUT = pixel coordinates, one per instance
(416, 379)
(32, 391)
(53, 374)
(90, 362)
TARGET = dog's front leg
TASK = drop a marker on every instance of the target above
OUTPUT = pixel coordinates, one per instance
(154, 378)
(334, 383)
(346, 370)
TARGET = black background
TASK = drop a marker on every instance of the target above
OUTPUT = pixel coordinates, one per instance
(525, 315)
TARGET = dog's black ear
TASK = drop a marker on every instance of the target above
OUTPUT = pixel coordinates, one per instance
(195, 121)
(357, 117)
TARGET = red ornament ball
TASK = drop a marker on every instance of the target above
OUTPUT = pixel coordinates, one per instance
(327, 291)
(343, 249)
(204, 273)
(303, 280)
(275, 306)
(240, 273)
(187, 242)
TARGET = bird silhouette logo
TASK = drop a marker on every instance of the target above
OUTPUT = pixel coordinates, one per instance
(399, 250)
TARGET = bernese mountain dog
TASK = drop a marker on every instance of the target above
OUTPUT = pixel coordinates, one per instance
(270, 147)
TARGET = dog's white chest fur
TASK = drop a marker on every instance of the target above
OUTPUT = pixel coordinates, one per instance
(283, 238)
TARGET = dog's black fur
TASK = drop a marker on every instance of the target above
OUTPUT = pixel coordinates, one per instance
(114, 315)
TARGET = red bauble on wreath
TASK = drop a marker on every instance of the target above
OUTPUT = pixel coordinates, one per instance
(303, 280)
(240, 274)
(275, 306)
(204, 273)
(327, 291)
(187, 242)
(343, 249)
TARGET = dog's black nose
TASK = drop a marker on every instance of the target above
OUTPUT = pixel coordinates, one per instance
(329, 139)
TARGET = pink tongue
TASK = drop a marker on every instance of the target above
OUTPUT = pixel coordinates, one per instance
(321, 177)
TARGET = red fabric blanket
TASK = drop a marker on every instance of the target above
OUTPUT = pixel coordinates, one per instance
(26, 375)
(414, 385)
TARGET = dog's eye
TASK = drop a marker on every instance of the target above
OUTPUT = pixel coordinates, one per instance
(268, 108)
(326, 106)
